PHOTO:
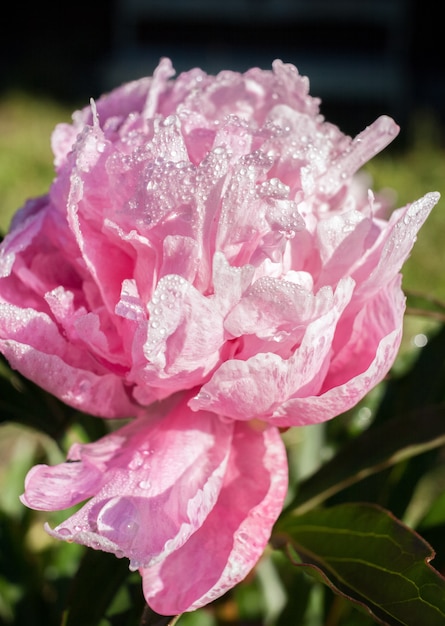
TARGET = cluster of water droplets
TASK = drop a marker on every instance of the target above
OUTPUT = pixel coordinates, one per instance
(281, 213)
(236, 134)
(405, 229)
(164, 310)
(117, 524)
(213, 167)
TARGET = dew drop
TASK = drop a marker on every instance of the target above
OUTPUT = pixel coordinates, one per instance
(84, 386)
(134, 566)
(128, 528)
(136, 461)
(64, 532)
(203, 396)
(280, 336)
(169, 120)
(145, 484)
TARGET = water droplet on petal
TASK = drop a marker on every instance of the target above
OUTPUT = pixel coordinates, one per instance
(128, 528)
(203, 396)
(136, 461)
(118, 521)
(280, 336)
(169, 121)
(84, 385)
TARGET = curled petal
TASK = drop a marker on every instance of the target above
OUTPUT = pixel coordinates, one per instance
(255, 387)
(185, 335)
(152, 484)
(359, 367)
(64, 485)
(64, 369)
(235, 533)
(385, 258)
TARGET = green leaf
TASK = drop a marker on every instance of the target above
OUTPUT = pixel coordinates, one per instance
(150, 618)
(374, 450)
(365, 554)
(24, 402)
(95, 585)
(96, 591)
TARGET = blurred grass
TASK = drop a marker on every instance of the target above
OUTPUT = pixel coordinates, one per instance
(26, 162)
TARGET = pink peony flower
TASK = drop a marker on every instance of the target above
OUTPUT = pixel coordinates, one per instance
(206, 262)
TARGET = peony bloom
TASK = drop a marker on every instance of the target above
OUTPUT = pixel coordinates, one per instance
(206, 263)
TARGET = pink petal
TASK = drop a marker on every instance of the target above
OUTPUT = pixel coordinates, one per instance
(163, 72)
(152, 484)
(256, 387)
(28, 223)
(276, 308)
(365, 359)
(385, 259)
(233, 537)
(230, 283)
(61, 486)
(35, 347)
(185, 335)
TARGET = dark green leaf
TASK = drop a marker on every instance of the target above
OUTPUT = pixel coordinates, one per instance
(150, 618)
(374, 450)
(100, 578)
(96, 583)
(422, 385)
(22, 401)
(364, 553)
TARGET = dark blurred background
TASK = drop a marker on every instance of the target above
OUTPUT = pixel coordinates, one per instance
(363, 57)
